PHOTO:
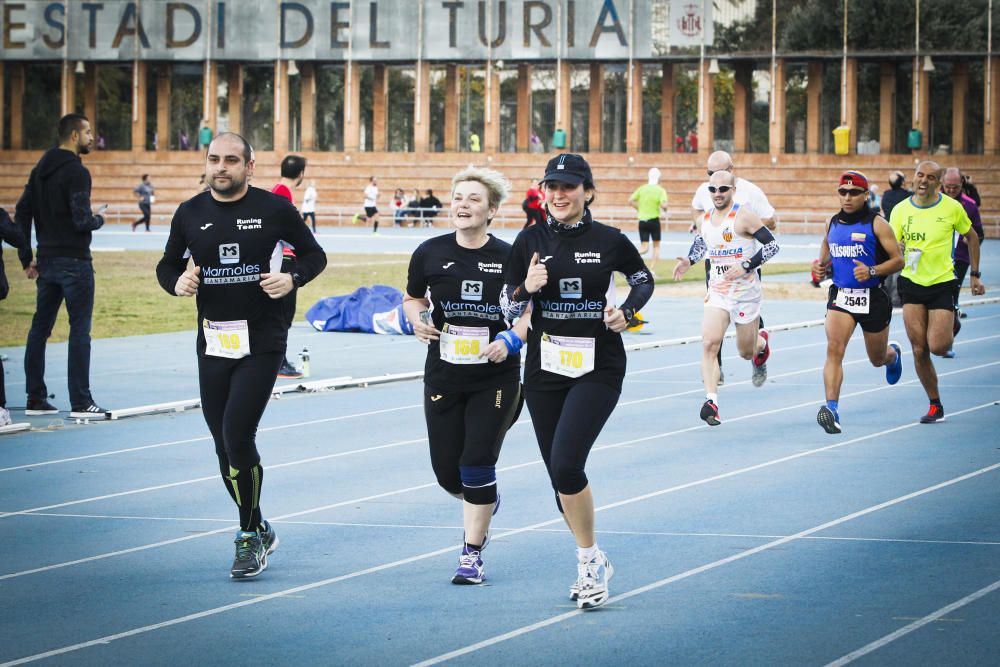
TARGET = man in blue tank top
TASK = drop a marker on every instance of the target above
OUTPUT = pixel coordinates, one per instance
(860, 250)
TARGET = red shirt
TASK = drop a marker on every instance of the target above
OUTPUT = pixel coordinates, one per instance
(535, 198)
(282, 190)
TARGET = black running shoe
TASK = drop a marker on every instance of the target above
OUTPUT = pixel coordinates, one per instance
(251, 557)
(92, 411)
(957, 326)
(269, 538)
(829, 420)
(710, 413)
(935, 413)
(40, 406)
(288, 371)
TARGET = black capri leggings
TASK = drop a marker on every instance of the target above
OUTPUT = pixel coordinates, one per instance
(567, 423)
(467, 429)
(234, 393)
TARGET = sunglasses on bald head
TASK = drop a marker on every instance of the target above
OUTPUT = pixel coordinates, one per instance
(852, 192)
(722, 188)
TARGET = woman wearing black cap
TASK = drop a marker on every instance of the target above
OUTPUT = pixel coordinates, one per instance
(576, 359)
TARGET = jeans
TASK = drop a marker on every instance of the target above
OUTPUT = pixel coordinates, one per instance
(73, 280)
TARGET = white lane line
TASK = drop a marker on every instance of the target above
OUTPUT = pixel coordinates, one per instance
(498, 529)
(418, 405)
(916, 625)
(680, 487)
(492, 641)
(406, 561)
(205, 438)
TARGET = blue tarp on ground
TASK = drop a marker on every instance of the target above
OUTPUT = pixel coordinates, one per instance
(375, 309)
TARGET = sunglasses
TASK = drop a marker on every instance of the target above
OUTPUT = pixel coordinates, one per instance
(844, 192)
(722, 188)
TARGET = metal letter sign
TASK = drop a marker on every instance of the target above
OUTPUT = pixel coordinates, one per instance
(376, 30)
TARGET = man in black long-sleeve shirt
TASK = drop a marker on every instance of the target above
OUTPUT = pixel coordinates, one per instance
(232, 234)
(57, 199)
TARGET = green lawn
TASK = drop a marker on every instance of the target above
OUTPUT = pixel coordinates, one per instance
(129, 301)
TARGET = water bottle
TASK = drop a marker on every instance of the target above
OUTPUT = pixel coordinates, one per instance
(304, 361)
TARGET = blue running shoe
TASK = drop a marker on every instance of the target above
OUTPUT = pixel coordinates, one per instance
(829, 420)
(894, 371)
(470, 568)
(950, 354)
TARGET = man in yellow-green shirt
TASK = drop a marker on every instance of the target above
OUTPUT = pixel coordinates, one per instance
(649, 200)
(925, 223)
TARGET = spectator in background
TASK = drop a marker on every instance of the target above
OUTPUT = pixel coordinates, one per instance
(874, 199)
(102, 144)
(309, 204)
(57, 200)
(952, 186)
(650, 201)
(398, 207)
(895, 194)
(429, 207)
(533, 205)
(183, 141)
(692, 141)
(13, 235)
(371, 203)
(144, 193)
(970, 190)
(204, 135)
(293, 170)
(413, 208)
(535, 144)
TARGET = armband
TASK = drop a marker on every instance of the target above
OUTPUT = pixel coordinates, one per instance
(511, 340)
(698, 250)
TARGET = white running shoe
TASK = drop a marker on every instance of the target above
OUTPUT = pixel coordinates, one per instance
(5, 417)
(592, 582)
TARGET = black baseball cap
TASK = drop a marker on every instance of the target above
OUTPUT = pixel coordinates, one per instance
(568, 168)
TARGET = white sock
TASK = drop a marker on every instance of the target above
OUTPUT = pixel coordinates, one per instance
(712, 397)
(587, 554)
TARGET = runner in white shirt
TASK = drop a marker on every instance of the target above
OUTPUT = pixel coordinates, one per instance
(309, 205)
(736, 244)
(371, 201)
(747, 195)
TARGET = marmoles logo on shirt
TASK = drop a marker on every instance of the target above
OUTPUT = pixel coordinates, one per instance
(472, 290)
(229, 253)
(571, 288)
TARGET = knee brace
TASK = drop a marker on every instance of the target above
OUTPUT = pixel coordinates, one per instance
(479, 484)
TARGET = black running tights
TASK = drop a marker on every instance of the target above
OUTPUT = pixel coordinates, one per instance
(567, 423)
(234, 393)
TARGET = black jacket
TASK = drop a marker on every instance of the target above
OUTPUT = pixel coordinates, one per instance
(57, 199)
(890, 198)
(13, 235)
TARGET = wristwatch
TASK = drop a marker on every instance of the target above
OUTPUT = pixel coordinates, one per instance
(976, 274)
(872, 272)
(746, 265)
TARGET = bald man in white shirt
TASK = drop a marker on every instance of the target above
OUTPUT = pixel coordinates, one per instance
(747, 195)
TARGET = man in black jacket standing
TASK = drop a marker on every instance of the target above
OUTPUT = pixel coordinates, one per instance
(57, 199)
